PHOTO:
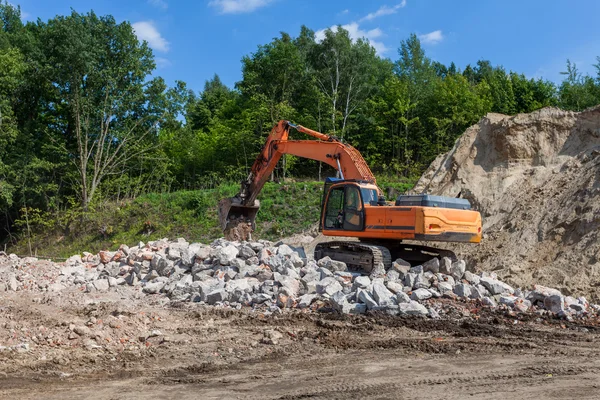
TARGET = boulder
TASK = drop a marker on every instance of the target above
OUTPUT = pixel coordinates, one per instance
(463, 290)
(381, 294)
(420, 294)
(495, 286)
(412, 308)
(227, 254)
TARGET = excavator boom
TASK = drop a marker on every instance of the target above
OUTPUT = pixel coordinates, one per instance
(242, 208)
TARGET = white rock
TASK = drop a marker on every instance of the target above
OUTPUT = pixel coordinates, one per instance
(227, 254)
(364, 297)
(463, 290)
(394, 287)
(412, 308)
(101, 285)
(495, 286)
(328, 286)
(458, 269)
(153, 287)
(402, 297)
(420, 294)
(381, 294)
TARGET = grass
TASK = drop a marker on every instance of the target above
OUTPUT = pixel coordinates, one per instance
(286, 209)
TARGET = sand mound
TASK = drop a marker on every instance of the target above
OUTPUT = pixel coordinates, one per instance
(536, 180)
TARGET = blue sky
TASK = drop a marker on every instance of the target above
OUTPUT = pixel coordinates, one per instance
(194, 39)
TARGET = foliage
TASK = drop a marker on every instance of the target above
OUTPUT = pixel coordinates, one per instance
(92, 140)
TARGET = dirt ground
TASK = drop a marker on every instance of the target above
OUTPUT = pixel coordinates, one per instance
(200, 352)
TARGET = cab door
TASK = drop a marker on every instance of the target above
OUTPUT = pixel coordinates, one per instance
(344, 209)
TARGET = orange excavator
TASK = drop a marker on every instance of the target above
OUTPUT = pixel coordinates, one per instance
(353, 207)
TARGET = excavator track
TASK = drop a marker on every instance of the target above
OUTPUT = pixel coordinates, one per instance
(358, 255)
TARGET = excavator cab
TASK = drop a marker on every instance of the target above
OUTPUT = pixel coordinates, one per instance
(343, 205)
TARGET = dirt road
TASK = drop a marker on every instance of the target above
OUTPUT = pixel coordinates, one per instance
(205, 353)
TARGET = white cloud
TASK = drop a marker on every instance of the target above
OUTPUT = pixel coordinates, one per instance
(383, 10)
(432, 37)
(146, 30)
(355, 33)
(162, 62)
(346, 11)
(238, 6)
(162, 4)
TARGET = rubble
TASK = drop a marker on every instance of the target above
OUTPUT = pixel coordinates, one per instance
(273, 278)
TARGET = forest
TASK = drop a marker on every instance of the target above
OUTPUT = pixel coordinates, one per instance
(84, 118)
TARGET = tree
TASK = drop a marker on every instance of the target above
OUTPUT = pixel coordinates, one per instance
(578, 92)
(345, 74)
(104, 114)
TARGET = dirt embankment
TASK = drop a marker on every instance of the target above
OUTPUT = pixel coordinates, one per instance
(536, 180)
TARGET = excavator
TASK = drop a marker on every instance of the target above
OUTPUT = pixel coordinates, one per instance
(354, 208)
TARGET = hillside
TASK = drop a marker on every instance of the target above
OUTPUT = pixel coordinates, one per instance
(535, 178)
(286, 209)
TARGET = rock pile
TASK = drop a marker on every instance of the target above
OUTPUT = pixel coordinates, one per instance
(276, 277)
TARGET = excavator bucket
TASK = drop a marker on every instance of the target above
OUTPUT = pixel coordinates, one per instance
(237, 220)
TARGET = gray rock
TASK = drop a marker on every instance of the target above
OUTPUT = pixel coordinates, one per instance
(378, 271)
(463, 290)
(458, 269)
(417, 269)
(12, 283)
(188, 254)
(291, 286)
(478, 292)
(488, 301)
(402, 297)
(227, 254)
(216, 296)
(339, 302)
(421, 282)
(392, 275)
(471, 278)
(412, 308)
(381, 294)
(361, 282)
(328, 286)
(364, 297)
(432, 266)
(101, 285)
(401, 266)
(153, 287)
(296, 261)
(285, 250)
(420, 294)
(246, 252)
(259, 298)
(394, 287)
(433, 314)
(446, 266)
(539, 293)
(306, 300)
(495, 286)
(554, 303)
(507, 299)
(332, 265)
(410, 279)
(445, 287)
(324, 272)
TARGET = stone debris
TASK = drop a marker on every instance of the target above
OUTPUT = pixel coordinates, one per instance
(272, 278)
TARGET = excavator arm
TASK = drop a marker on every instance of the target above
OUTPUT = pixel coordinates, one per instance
(346, 159)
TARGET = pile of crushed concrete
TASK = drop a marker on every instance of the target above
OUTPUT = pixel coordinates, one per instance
(274, 278)
(536, 180)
